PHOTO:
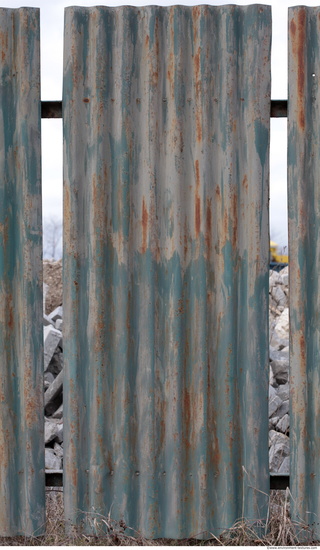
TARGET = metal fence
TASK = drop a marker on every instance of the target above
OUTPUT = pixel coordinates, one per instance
(166, 116)
(21, 333)
(304, 247)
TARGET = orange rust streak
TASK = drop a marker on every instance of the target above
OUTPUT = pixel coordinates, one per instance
(303, 350)
(301, 71)
(298, 37)
(9, 308)
(197, 213)
(235, 221)
(198, 87)
(245, 182)
(145, 218)
(208, 236)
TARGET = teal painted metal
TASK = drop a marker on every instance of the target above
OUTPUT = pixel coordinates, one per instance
(166, 256)
(304, 250)
(22, 489)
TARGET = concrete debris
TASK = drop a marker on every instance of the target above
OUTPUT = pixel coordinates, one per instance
(53, 431)
(53, 395)
(58, 450)
(279, 420)
(52, 338)
(58, 413)
(52, 460)
(47, 321)
(56, 314)
(48, 379)
(279, 449)
(283, 424)
(274, 404)
(285, 466)
(53, 388)
(59, 324)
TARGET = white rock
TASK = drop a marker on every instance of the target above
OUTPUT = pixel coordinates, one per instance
(53, 431)
(280, 370)
(272, 391)
(285, 466)
(283, 409)
(59, 324)
(283, 392)
(58, 450)
(274, 404)
(52, 461)
(45, 291)
(279, 296)
(273, 422)
(283, 424)
(47, 321)
(57, 313)
(282, 326)
(58, 413)
(52, 393)
(279, 450)
(285, 276)
(274, 278)
(52, 339)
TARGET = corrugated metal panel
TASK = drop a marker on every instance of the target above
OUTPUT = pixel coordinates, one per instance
(166, 146)
(22, 489)
(304, 243)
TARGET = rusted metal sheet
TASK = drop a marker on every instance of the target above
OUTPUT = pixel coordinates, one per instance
(304, 250)
(166, 249)
(22, 489)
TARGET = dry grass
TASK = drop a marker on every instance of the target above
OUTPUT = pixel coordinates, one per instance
(278, 531)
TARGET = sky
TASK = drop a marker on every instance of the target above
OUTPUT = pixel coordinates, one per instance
(51, 21)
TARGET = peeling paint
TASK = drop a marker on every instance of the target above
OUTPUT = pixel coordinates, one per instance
(304, 253)
(170, 313)
(22, 477)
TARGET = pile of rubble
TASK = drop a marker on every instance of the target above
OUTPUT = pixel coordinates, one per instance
(279, 421)
(53, 365)
(53, 387)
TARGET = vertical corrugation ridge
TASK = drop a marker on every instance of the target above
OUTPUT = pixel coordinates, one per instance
(166, 177)
(304, 251)
(21, 381)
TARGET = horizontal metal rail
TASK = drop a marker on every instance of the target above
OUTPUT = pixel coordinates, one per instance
(54, 478)
(53, 109)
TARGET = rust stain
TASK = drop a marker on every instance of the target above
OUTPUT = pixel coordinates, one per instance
(128, 311)
(86, 100)
(4, 45)
(298, 37)
(9, 309)
(187, 416)
(185, 240)
(147, 40)
(234, 220)
(181, 142)
(196, 11)
(145, 218)
(156, 69)
(197, 206)
(245, 182)
(198, 87)
(31, 401)
(303, 351)
(208, 235)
